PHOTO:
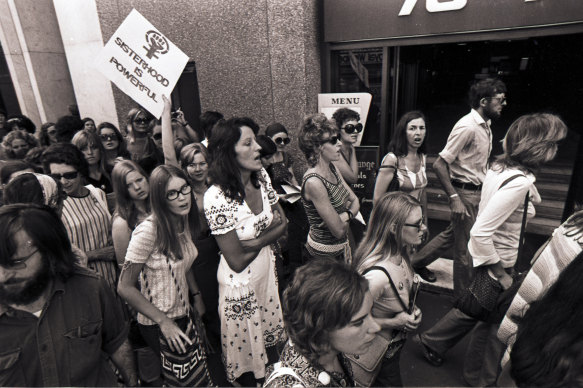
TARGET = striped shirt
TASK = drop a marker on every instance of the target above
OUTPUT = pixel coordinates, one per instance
(338, 195)
(157, 280)
(88, 224)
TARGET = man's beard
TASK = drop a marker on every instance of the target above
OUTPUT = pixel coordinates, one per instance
(30, 290)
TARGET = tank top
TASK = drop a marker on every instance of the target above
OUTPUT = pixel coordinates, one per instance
(338, 195)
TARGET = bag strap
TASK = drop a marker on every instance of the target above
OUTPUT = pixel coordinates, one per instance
(524, 214)
(379, 268)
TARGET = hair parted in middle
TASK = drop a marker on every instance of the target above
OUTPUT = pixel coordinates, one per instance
(122, 149)
(46, 231)
(383, 237)
(166, 232)
(224, 169)
(124, 204)
(312, 130)
(86, 138)
(323, 296)
(398, 144)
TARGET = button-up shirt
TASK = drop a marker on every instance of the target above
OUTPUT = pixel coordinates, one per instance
(468, 148)
(67, 345)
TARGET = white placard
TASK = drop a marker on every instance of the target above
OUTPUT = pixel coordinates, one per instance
(142, 62)
(328, 103)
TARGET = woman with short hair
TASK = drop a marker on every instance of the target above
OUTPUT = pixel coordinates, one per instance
(327, 314)
(329, 202)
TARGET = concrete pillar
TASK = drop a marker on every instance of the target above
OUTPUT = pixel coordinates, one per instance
(34, 53)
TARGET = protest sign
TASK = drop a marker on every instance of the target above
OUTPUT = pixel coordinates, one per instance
(328, 103)
(142, 62)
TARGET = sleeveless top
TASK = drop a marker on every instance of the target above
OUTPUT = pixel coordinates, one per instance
(338, 195)
(409, 182)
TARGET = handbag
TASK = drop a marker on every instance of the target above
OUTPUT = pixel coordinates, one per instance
(366, 367)
(485, 297)
(394, 184)
(188, 369)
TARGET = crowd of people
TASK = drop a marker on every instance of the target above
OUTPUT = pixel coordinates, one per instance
(165, 247)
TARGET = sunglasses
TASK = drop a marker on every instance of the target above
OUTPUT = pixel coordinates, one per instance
(141, 121)
(173, 194)
(281, 140)
(332, 140)
(107, 137)
(350, 128)
(501, 100)
(68, 175)
(157, 136)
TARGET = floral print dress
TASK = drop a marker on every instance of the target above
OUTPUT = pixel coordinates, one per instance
(249, 307)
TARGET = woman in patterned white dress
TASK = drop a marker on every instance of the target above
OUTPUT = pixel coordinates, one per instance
(244, 216)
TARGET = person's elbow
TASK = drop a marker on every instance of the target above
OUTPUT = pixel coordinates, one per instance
(351, 178)
(339, 231)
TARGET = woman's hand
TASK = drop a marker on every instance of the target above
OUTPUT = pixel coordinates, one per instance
(174, 336)
(408, 322)
(167, 105)
(505, 281)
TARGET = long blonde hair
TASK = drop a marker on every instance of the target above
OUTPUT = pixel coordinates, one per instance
(383, 237)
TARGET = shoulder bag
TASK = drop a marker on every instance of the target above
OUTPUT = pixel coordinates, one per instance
(481, 299)
(366, 367)
(188, 369)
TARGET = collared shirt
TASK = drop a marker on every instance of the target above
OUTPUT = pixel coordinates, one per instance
(496, 233)
(80, 325)
(468, 148)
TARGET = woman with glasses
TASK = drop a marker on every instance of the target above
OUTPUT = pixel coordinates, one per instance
(405, 164)
(138, 130)
(160, 254)
(282, 162)
(194, 160)
(85, 212)
(329, 203)
(113, 143)
(395, 226)
(530, 142)
(348, 124)
(246, 219)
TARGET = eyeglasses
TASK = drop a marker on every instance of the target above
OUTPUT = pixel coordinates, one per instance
(68, 175)
(157, 136)
(107, 137)
(19, 263)
(173, 194)
(141, 121)
(332, 140)
(350, 128)
(418, 225)
(501, 100)
(197, 165)
(281, 140)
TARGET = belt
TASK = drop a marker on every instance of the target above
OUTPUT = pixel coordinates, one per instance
(466, 186)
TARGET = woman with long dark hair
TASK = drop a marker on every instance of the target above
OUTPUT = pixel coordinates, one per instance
(244, 216)
(113, 143)
(159, 255)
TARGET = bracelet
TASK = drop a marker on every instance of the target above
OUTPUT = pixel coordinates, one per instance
(454, 195)
(350, 214)
(185, 124)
